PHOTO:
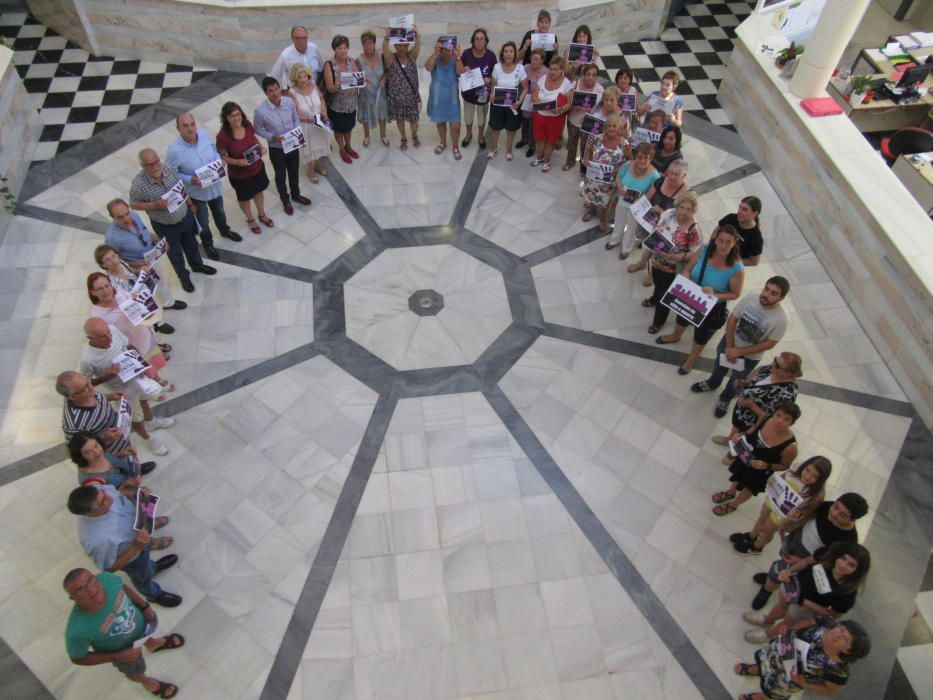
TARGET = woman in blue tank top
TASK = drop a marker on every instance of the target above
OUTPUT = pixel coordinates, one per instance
(718, 269)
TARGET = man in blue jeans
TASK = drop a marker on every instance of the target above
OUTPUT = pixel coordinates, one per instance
(105, 530)
(192, 150)
(756, 324)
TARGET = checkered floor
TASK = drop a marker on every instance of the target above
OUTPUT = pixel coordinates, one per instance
(697, 45)
(79, 95)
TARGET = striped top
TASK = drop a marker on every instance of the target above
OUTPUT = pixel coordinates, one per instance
(93, 420)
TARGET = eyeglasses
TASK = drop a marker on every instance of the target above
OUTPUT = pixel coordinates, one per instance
(87, 385)
(150, 163)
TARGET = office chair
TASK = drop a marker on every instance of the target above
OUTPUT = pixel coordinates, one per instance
(910, 139)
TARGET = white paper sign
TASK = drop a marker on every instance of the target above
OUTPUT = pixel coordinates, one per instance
(471, 79)
(688, 300)
(321, 122)
(821, 579)
(543, 41)
(782, 497)
(643, 135)
(600, 172)
(738, 365)
(644, 214)
(293, 140)
(131, 364)
(140, 308)
(403, 22)
(352, 81)
(158, 250)
(148, 280)
(125, 417)
(176, 197)
(211, 173)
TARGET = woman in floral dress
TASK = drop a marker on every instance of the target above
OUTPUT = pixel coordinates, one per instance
(607, 151)
(402, 86)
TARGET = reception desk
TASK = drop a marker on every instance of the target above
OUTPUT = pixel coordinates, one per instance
(872, 236)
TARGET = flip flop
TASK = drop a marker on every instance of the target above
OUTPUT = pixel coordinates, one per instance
(161, 522)
(746, 670)
(723, 509)
(722, 496)
(172, 641)
(385, 141)
(160, 543)
(166, 690)
(439, 148)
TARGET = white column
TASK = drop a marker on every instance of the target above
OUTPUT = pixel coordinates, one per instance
(833, 32)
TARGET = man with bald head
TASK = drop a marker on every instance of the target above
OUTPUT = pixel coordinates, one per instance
(105, 343)
(151, 192)
(192, 150)
(301, 51)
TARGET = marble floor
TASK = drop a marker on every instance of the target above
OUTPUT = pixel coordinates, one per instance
(425, 447)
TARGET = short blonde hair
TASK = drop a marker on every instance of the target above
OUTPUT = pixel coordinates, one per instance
(296, 70)
(368, 34)
(611, 94)
(614, 120)
(688, 196)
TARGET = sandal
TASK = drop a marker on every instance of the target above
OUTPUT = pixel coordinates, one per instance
(161, 522)
(508, 156)
(365, 142)
(385, 141)
(172, 641)
(160, 543)
(439, 148)
(603, 227)
(746, 670)
(266, 220)
(722, 496)
(491, 155)
(546, 167)
(635, 267)
(623, 256)
(653, 329)
(313, 178)
(415, 141)
(404, 145)
(647, 303)
(567, 166)
(723, 509)
(253, 226)
(166, 690)
(457, 154)
(587, 216)
(720, 440)
(165, 347)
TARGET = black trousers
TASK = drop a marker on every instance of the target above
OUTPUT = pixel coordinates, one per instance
(285, 164)
(182, 243)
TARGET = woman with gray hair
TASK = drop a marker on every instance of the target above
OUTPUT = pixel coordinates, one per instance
(662, 196)
(309, 102)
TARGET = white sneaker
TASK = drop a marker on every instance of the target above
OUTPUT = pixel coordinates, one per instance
(756, 636)
(156, 447)
(158, 423)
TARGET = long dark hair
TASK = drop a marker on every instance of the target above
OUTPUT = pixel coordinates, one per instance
(823, 467)
(225, 111)
(755, 203)
(733, 256)
(74, 448)
(837, 551)
(583, 28)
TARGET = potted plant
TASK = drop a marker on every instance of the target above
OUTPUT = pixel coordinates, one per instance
(786, 59)
(859, 87)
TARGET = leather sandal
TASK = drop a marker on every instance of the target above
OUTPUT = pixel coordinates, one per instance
(253, 226)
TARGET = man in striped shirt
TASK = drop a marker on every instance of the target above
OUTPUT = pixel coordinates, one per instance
(99, 363)
(88, 411)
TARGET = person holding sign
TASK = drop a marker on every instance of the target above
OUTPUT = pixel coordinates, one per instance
(586, 84)
(534, 71)
(661, 195)
(105, 530)
(195, 157)
(443, 98)
(95, 466)
(301, 51)
(602, 162)
(476, 102)
(241, 151)
(552, 89)
(666, 99)
(310, 104)
(827, 588)
(402, 86)
(832, 647)
(789, 496)
(668, 148)
(717, 269)
(373, 108)
(273, 120)
(773, 449)
(543, 26)
(109, 624)
(636, 177)
(343, 103)
(625, 81)
(679, 226)
(507, 74)
(159, 191)
(582, 56)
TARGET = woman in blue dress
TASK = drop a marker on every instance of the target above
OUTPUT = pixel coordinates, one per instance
(444, 95)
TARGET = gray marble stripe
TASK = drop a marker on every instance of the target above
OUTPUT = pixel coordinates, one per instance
(718, 136)
(621, 567)
(675, 357)
(483, 249)
(19, 682)
(564, 246)
(32, 464)
(726, 178)
(505, 351)
(470, 188)
(413, 236)
(51, 172)
(898, 687)
(291, 649)
(62, 218)
(437, 381)
(899, 541)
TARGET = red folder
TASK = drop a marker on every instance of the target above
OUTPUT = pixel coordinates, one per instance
(821, 106)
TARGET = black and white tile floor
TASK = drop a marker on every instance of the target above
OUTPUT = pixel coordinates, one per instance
(80, 95)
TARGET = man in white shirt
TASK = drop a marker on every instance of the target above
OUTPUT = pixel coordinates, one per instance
(301, 51)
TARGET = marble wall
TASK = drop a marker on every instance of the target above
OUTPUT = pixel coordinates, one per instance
(870, 234)
(249, 38)
(20, 127)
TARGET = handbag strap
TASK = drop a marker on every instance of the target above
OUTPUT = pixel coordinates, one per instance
(405, 73)
(706, 257)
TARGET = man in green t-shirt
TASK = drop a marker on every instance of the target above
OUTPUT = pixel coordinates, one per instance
(108, 625)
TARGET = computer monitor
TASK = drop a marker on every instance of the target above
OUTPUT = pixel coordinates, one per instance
(914, 75)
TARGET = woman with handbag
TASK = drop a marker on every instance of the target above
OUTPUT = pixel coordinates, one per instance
(764, 450)
(341, 104)
(402, 86)
(717, 268)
